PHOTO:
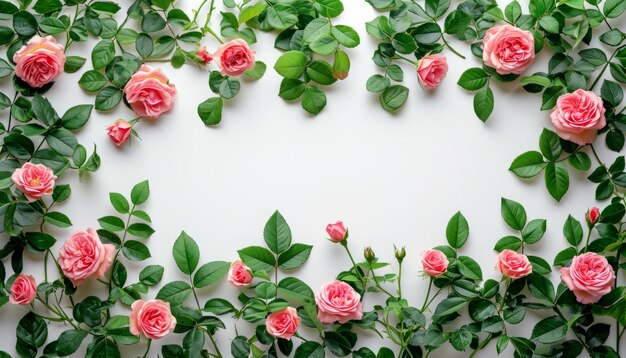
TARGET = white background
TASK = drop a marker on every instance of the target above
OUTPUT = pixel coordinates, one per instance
(391, 178)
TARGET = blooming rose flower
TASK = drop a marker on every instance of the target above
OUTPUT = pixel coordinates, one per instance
(34, 180)
(283, 324)
(336, 231)
(589, 276)
(508, 49)
(431, 71)
(149, 92)
(40, 61)
(119, 132)
(239, 274)
(578, 116)
(592, 215)
(234, 58)
(513, 265)
(23, 290)
(338, 302)
(83, 255)
(434, 262)
(203, 56)
(153, 318)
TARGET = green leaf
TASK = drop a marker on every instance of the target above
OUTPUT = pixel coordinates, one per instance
(32, 330)
(108, 98)
(457, 230)
(513, 213)
(24, 23)
(73, 63)
(152, 22)
(250, 12)
(291, 64)
(140, 193)
(218, 306)
(92, 81)
(324, 45)
(508, 242)
(528, 164)
(550, 24)
(346, 36)
(329, 8)
(313, 100)
(210, 273)
(281, 16)
(186, 253)
(469, 268)
(76, 117)
(151, 275)
(613, 8)
(404, 43)
(321, 72)
(102, 54)
(541, 288)
(141, 230)
(277, 234)
(69, 342)
(291, 89)
(534, 231)
(557, 180)
(119, 202)
(377, 83)
(394, 97)
(57, 219)
(229, 87)
(473, 79)
(258, 258)
(210, 111)
(549, 330)
(295, 288)
(309, 349)
(112, 223)
(573, 231)
(176, 292)
(550, 145)
(456, 22)
(294, 257)
(483, 103)
(437, 8)
(135, 250)
(448, 306)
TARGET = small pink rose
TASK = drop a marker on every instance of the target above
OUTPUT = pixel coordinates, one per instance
(239, 274)
(578, 116)
(431, 71)
(34, 180)
(513, 265)
(435, 262)
(83, 255)
(23, 290)
(508, 49)
(151, 318)
(589, 277)
(283, 324)
(203, 56)
(336, 231)
(592, 215)
(234, 58)
(338, 302)
(40, 61)
(119, 132)
(149, 92)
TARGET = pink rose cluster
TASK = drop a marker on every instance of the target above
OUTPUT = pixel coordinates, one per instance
(578, 116)
(338, 302)
(34, 180)
(508, 49)
(589, 277)
(83, 255)
(513, 265)
(40, 61)
(151, 318)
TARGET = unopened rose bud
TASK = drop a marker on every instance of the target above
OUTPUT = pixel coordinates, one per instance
(400, 254)
(592, 216)
(203, 56)
(369, 254)
(337, 231)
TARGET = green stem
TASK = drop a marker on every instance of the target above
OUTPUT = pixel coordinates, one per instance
(363, 279)
(430, 285)
(581, 340)
(147, 348)
(214, 35)
(376, 281)
(450, 47)
(606, 65)
(399, 280)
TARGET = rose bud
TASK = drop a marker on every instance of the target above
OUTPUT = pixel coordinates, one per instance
(341, 66)
(369, 254)
(203, 56)
(119, 132)
(592, 216)
(400, 254)
(337, 231)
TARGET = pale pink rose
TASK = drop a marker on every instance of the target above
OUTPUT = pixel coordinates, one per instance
(23, 290)
(431, 71)
(151, 318)
(34, 180)
(592, 215)
(203, 56)
(83, 255)
(239, 274)
(149, 92)
(234, 58)
(336, 231)
(508, 49)
(578, 116)
(119, 132)
(40, 61)
(338, 302)
(589, 277)
(434, 262)
(283, 324)
(513, 265)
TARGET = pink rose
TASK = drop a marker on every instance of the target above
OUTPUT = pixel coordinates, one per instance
(34, 180)
(508, 49)
(119, 132)
(40, 61)
(239, 274)
(234, 58)
(23, 290)
(283, 324)
(434, 262)
(149, 92)
(338, 302)
(153, 318)
(592, 215)
(589, 276)
(203, 56)
(513, 265)
(578, 116)
(431, 71)
(83, 255)
(336, 231)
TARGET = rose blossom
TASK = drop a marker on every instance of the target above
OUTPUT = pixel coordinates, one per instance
(336, 231)
(508, 49)
(119, 132)
(83, 255)
(149, 92)
(23, 290)
(153, 318)
(592, 215)
(283, 324)
(578, 116)
(34, 180)
(434, 262)
(239, 274)
(40, 61)
(338, 302)
(203, 56)
(513, 265)
(431, 71)
(234, 58)
(589, 276)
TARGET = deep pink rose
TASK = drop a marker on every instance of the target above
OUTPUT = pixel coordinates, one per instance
(336, 231)
(338, 302)
(592, 215)
(283, 324)
(149, 92)
(119, 132)
(40, 61)
(23, 290)
(153, 318)
(508, 49)
(34, 180)
(203, 56)
(234, 58)
(513, 265)
(434, 262)
(589, 276)
(239, 274)
(578, 116)
(431, 71)
(83, 255)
